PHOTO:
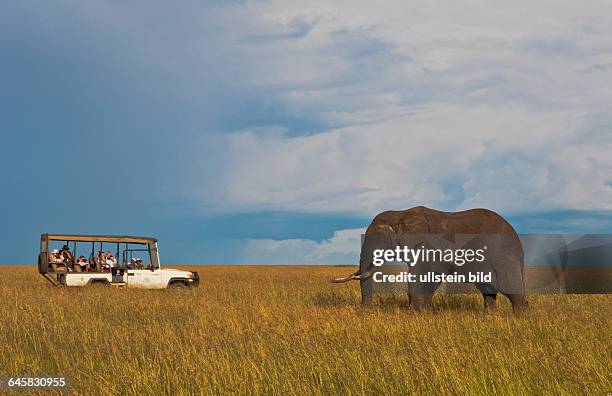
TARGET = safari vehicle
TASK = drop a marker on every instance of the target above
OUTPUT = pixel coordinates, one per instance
(94, 267)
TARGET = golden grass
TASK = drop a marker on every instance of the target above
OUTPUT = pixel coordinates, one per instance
(286, 330)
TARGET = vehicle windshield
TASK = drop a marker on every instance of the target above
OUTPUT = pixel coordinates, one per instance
(136, 258)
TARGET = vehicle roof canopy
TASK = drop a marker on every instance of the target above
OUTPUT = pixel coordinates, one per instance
(100, 238)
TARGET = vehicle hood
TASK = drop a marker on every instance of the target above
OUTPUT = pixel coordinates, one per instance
(176, 272)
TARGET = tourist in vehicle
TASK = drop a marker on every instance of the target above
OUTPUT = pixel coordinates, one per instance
(105, 265)
(56, 257)
(136, 263)
(111, 260)
(66, 254)
(57, 261)
(82, 265)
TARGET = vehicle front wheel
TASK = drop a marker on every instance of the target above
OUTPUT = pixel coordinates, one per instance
(178, 285)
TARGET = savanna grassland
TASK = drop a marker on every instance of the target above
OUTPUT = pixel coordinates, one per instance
(287, 330)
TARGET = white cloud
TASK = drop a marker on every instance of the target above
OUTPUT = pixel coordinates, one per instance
(343, 247)
(509, 159)
(452, 106)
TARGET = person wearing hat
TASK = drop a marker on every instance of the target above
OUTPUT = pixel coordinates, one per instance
(56, 260)
(67, 254)
(55, 256)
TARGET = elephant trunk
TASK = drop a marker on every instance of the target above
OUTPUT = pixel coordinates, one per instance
(372, 241)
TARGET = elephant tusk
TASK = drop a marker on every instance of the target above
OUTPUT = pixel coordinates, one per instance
(346, 278)
(354, 276)
(363, 276)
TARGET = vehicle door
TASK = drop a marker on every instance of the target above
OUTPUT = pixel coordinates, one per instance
(144, 278)
(140, 273)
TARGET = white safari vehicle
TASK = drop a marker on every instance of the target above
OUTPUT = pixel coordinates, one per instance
(82, 260)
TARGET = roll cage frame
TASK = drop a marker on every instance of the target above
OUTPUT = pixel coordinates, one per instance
(45, 241)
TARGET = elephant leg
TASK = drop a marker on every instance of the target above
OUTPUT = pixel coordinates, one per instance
(518, 301)
(490, 302)
(420, 300)
(366, 292)
(489, 293)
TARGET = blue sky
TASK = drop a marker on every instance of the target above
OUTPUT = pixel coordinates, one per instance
(272, 131)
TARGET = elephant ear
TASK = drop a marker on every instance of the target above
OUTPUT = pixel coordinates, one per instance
(453, 241)
(438, 241)
(413, 225)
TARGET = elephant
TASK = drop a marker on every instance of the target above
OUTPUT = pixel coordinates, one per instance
(425, 227)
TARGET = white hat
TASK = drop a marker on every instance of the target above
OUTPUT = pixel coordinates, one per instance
(55, 251)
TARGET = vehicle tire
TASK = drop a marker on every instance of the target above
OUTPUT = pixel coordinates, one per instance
(99, 283)
(178, 285)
